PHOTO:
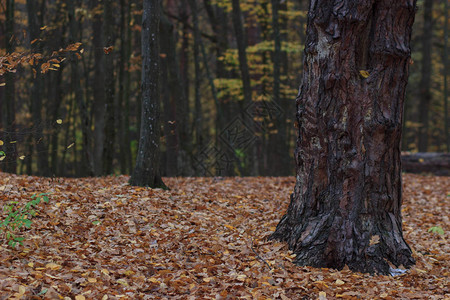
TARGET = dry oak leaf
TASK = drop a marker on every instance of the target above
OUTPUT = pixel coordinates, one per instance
(375, 239)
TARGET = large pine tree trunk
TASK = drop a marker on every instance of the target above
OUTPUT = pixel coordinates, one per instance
(345, 209)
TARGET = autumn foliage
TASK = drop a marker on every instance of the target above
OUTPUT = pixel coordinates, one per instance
(99, 238)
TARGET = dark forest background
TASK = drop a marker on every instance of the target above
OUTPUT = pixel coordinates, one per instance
(72, 106)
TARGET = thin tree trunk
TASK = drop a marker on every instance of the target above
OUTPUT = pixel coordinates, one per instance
(245, 76)
(278, 142)
(198, 115)
(109, 134)
(123, 108)
(425, 82)
(346, 205)
(37, 91)
(242, 45)
(8, 105)
(445, 63)
(75, 83)
(146, 172)
(98, 87)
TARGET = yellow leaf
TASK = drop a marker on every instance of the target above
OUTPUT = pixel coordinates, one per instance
(13, 142)
(2, 157)
(2, 84)
(80, 297)
(1, 143)
(364, 73)
(375, 239)
(43, 27)
(22, 157)
(322, 296)
(122, 282)
(30, 264)
(339, 282)
(241, 277)
(104, 271)
(129, 272)
(56, 65)
(230, 227)
(52, 266)
(92, 280)
(59, 121)
(70, 146)
(421, 160)
(22, 290)
(154, 280)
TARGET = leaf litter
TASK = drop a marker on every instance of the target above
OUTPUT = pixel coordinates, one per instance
(100, 238)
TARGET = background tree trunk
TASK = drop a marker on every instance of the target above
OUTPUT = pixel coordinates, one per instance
(445, 64)
(87, 160)
(146, 172)
(110, 132)
(241, 39)
(425, 82)
(8, 105)
(34, 25)
(346, 205)
(98, 86)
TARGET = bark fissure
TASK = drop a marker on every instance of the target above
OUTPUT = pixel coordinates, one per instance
(348, 156)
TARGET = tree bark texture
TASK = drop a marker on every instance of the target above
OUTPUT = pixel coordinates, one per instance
(146, 171)
(348, 186)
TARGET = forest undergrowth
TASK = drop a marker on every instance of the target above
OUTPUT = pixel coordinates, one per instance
(205, 238)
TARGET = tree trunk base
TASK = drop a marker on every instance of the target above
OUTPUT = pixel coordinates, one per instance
(367, 244)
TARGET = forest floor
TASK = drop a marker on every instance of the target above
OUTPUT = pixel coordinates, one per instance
(99, 238)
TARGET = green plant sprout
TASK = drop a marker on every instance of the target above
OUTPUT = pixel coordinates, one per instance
(436, 229)
(19, 217)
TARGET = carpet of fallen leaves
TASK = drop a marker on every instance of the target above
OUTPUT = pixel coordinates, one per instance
(99, 238)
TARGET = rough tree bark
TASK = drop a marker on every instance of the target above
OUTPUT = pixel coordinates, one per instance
(345, 209)
(146, 171)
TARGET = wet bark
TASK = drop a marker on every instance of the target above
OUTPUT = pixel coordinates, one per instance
(146, 171)
(348, 187)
